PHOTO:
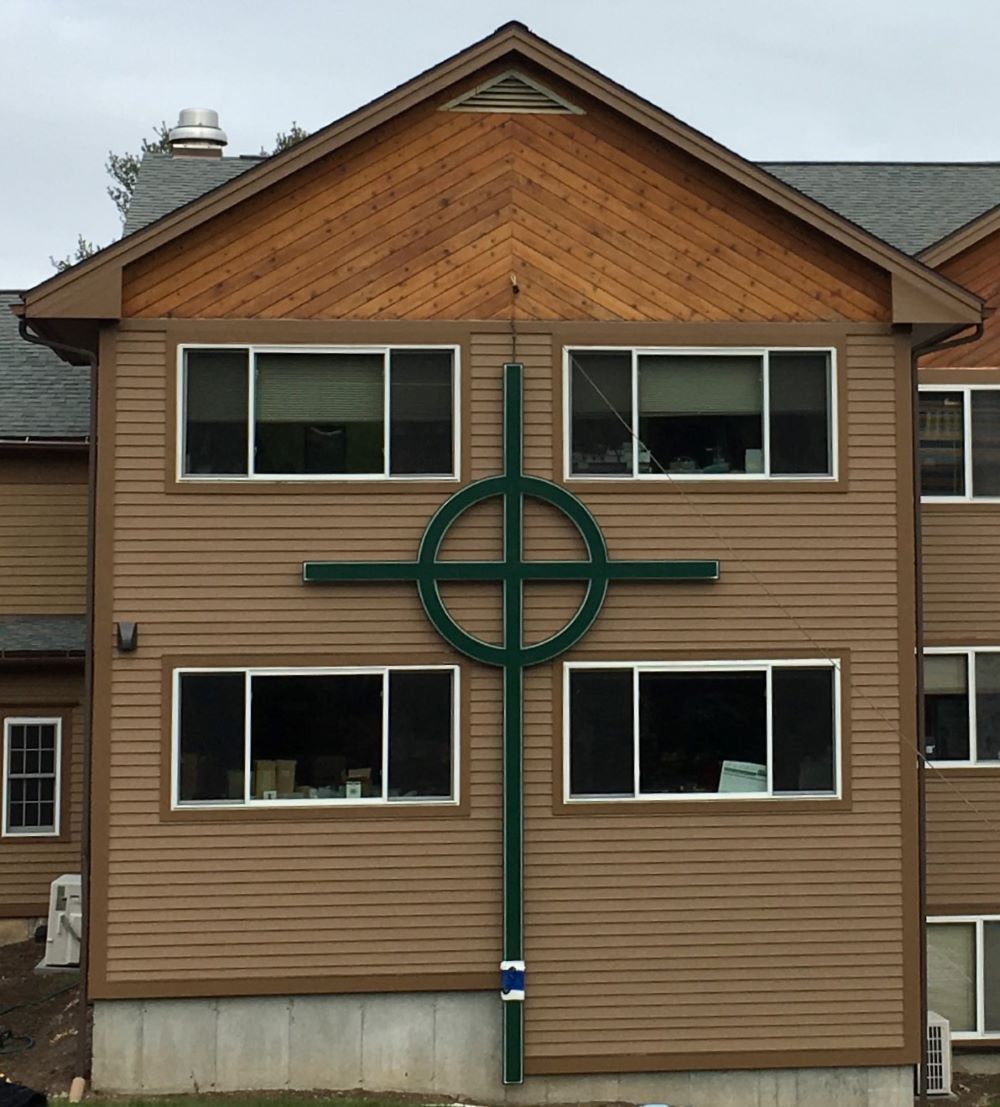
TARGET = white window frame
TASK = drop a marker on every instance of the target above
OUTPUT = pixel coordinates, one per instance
(965, 390)
(6, 830)
(969, 653)
(249, 803)
(979, 1034)
(762, 352)
(253, 349)
(764, 666)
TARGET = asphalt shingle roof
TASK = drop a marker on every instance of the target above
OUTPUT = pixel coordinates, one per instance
(166, 183)
(910, 205)
(907, 204)
(42, 634)
(40, 395)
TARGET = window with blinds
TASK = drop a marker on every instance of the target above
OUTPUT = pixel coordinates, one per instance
(962, 706)
(700, 413)
(318, 413)
(960, 442)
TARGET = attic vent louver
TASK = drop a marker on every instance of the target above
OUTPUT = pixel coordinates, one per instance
(512, 92)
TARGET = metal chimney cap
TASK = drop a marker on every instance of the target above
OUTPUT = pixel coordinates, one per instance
(198, 127)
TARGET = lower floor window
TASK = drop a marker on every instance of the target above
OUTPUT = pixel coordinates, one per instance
(31, 765)
(963, 973)
(667, 730)
(263, 736)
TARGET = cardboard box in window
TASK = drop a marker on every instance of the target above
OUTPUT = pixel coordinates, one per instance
(265, 775)
(284, 775)
(359, 783)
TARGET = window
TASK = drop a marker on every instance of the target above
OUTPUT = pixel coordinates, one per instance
(700, 413)
(370, 736)
(313, 413)
(962, 706)
(32, 753)
(639, 731)
(963, 974)
(960, 442)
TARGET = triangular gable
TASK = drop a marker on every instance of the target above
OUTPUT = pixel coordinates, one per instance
(92, 289)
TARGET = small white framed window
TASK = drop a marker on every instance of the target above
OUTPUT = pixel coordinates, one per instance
(311, 737)
(962, 706)
(32, 772)
(700, 413)
(305, 413)
(963, 973)
(701, 730)
(959, 443)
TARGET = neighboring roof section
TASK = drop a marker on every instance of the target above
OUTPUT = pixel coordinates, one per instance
(42, 634)
(167, 182)
(42, 396)
(908, 204)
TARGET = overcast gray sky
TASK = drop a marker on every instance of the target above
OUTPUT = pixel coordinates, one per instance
(772, 79)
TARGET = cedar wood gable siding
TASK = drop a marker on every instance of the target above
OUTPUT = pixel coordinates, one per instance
(43, 571)
(426, 218)
(961, 573)
(704, 935)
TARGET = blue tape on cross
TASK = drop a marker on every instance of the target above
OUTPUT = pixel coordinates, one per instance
(512, 980)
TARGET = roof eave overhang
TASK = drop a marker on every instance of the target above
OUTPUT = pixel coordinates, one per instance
(961, 239)
(92, 289)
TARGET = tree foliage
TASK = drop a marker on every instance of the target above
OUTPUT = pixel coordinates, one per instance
(123, 169)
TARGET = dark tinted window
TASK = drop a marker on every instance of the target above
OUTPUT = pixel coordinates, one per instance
(211, 736)
(942, 444)
(600, 732)
(215, 431)
(601, 400)
(799, 413)
(421, 436)
(985, 442)
(420, 734)
(802, 730)
(946, 707)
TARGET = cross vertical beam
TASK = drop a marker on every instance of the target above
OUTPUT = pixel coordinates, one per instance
(513, 714)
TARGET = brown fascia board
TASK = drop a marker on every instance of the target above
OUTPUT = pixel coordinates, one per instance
(962, 238)
(92, 288)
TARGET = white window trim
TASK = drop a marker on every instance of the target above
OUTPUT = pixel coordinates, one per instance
(969, 653)
(763, 666)
(965, 389)
(248, 803)
(763, 352)
(978, 920)
(7, 831)
(316, 478)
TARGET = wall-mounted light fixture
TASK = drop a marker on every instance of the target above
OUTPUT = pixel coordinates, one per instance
(128, 636)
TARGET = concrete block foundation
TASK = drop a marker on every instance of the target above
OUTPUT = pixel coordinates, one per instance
(444, 1044)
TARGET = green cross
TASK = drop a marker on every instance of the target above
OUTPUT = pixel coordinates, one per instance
(512, 655)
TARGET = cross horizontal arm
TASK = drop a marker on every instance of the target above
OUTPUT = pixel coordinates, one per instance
(320, 572)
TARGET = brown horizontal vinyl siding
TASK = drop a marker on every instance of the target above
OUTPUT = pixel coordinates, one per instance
(428, 217)
(43, 536)
(317, 898)
(659, 932)
(671, 933)
(29, 865)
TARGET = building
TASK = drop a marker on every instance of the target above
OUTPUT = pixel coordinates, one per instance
(44, 427)
(329, 798)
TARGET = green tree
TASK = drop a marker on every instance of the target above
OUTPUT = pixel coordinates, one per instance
(283, 139)
(123, 169)
(83, 250)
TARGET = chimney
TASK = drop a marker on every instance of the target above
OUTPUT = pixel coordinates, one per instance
(197, 134)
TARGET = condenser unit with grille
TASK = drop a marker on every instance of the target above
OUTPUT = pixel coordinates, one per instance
(65, 929)
(938, 1054)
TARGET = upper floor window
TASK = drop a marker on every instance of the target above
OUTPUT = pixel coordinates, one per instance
(694, 730)
(318, 413)
(962, 706)
(308, 736)
(960, 442)
(701, 413)
(31, 776)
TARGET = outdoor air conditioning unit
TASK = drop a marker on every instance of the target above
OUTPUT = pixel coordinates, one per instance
(65, 929)
(938, 1054)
